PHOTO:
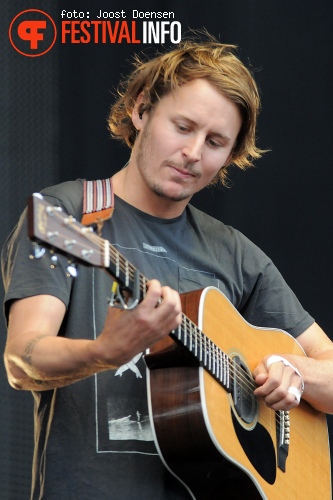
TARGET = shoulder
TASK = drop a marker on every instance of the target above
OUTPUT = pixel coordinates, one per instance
(68, 194)
(215, 230)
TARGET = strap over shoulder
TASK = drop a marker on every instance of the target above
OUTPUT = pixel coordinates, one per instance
(98, 201)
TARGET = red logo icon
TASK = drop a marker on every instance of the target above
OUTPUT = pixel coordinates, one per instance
(32, 33)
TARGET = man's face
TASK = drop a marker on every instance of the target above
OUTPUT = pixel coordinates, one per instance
(184, 140)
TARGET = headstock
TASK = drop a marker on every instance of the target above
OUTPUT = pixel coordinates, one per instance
(50, 225)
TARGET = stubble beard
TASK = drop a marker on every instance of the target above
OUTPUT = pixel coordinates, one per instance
(144, 152)
(158, 190)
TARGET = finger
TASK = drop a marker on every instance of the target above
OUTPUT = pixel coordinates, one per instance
(260, 369)
(272, 380)
(154, 293)
(275, 387)
(171, 298)
(286, 395)
(295, 391)
(169, 309)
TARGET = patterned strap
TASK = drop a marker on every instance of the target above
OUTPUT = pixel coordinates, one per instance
(98, 201)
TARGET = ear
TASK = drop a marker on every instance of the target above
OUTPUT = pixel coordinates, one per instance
(137, 113)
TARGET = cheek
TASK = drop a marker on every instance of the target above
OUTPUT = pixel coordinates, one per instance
(167, 147)
(212, 164)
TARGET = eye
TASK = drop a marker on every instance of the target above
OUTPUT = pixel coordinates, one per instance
(213, 143)
(182, 127)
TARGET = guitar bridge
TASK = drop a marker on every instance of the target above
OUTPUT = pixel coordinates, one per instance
(283, 437)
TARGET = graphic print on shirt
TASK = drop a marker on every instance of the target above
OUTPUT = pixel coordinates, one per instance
(132, 426)
(131, 365)
(122, 411)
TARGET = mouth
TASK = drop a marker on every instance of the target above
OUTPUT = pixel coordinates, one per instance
(181, 172)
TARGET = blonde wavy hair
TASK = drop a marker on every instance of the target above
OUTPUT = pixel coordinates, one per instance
(192, 59)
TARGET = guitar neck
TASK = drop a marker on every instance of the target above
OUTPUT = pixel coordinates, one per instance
(207, 353)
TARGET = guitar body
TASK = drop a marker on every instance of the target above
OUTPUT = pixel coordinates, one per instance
(217, 446)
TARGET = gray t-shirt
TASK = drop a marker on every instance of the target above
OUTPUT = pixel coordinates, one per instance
(93, 438)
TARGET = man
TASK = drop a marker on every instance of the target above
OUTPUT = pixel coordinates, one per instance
(187, 115)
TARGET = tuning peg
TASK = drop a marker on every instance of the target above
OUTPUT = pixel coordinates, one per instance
(54, 261)
(72, 270)
(69, 243)
(37, 251)
(51, 210)
(51, 235)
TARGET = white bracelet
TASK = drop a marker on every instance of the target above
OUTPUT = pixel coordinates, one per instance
(275, 359)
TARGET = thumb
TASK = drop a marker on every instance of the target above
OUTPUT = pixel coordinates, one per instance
(260, 373)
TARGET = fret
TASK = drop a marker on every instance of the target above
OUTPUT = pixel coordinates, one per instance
(214, 360)
(225, 370)
(227, 373)
(209, 357)
(200, 348)
(196, 344)
(222, 369)
(117, 265)
(180, 331)
(126, 274)
(218, 361)
(191, 339)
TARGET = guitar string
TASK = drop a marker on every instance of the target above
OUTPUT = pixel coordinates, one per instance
(216, 356)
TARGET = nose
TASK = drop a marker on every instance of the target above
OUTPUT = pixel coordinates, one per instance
(192, 149)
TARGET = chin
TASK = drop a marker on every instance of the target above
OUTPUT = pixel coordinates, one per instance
(175, 193)
(172, 195)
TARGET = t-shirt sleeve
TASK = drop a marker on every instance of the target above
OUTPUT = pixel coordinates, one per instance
(247, 276)
(30, 270)
(268, 300)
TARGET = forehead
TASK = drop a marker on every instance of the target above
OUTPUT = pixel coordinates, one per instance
(196, 91)
(200, 101)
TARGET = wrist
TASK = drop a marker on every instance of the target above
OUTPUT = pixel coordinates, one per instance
(99, 356)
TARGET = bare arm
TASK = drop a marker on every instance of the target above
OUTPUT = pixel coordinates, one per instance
(316, 370)
(37, 358)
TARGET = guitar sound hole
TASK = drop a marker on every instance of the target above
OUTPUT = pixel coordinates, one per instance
(245, 403)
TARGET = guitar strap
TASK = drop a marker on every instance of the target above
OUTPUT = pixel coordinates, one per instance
(98, 202)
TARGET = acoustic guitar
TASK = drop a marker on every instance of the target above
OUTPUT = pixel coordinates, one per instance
(212, 433)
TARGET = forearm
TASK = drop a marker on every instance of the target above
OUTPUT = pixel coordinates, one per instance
(37, 358)
(47, 362)
(318, 380)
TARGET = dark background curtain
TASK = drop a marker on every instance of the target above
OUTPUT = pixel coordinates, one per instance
(53, 128)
